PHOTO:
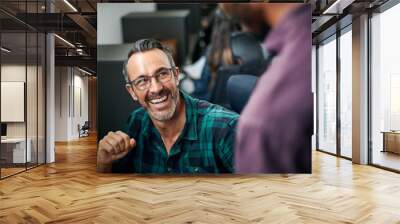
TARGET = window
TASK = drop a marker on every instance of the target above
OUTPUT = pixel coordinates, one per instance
(346, 93)
(385, 88)
(327, 95)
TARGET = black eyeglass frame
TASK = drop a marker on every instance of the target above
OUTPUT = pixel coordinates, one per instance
(171, 72)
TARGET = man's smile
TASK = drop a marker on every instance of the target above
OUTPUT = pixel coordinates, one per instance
(161, 99)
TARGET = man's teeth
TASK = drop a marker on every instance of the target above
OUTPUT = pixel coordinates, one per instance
(159, 100)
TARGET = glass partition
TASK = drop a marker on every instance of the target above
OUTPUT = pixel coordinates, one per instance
(22, 77)
(13, 103)
(31, 100)
(385, 89)
(41, 107)
(346, 93)
(327, 95)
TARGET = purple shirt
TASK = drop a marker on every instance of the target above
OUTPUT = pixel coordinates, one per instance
(275, 128)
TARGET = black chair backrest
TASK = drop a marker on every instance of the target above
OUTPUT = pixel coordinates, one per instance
(239, 89)
(86, 125)
(248, 49)
(245, 47)
(218, 93)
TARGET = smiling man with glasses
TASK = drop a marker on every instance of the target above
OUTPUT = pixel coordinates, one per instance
(172, 132)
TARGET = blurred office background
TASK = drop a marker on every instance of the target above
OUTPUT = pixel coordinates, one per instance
(354, 46)
(208, 46)
(61, 71)
(48, 82)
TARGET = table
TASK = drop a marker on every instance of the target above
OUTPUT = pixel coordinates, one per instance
(391, 141)
(13, 150)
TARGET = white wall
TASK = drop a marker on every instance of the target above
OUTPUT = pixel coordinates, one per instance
(13, 73)
(61, 103)
(16, 73)
(80, 83)
(109, 27)
(12, 101)
(68, 83)
(33, 126)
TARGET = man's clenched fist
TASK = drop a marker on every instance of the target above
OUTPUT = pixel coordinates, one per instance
(113, 146)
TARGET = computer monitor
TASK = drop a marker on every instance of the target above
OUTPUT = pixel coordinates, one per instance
(165, 25)
(3, 129)
(194, 15)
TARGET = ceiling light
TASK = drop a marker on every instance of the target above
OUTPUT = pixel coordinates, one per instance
(5, 50)
(70, 5)
(65, 41)
(338, 6)
(80, 51)
(84, 71)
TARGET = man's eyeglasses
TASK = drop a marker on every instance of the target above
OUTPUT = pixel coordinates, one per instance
(162, 76)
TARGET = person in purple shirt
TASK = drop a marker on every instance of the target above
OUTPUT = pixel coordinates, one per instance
(275, 127)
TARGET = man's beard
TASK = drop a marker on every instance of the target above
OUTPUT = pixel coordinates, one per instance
(169, 113)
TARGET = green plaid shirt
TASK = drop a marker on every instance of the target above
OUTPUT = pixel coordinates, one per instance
(204, 146)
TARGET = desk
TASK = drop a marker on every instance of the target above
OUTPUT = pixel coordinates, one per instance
(13, 150)
(391, 141)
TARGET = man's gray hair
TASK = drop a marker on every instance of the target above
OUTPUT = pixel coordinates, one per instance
(144, 45)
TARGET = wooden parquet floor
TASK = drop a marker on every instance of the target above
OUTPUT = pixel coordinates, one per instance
(70, 191)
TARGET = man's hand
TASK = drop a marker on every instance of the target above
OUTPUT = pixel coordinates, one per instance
(113, 146)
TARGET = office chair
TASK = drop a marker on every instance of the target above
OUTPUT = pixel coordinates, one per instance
(239, 89)
(84, 130)
(246, 48)
(248, 51)
(253, 58)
